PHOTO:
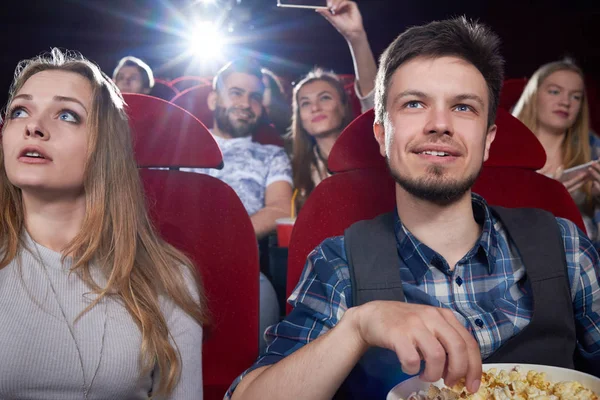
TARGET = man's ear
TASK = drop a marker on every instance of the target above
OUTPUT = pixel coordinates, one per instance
(379, 133)
(211, 100)
(489, 138)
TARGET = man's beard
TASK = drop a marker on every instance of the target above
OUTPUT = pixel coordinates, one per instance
(434, 187)
(223, 121)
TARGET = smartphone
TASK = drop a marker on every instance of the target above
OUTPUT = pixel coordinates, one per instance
(312, 4)
(573, 171)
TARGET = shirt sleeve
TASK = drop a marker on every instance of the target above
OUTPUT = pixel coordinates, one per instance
(320, 299)
(583, 267)
(280, 168)
(367, 101)
(186, 335)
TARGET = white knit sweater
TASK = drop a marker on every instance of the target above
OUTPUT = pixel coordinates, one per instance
(38, 357)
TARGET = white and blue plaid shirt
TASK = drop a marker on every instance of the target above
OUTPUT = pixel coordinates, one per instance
(486, 289)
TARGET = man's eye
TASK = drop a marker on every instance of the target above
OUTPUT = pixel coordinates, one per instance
(413, 104)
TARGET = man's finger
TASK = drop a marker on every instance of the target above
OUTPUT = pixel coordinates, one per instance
(433, 353)
(474, 367)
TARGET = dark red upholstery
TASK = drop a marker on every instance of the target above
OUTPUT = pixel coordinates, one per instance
(267, 134)
(511, 92)
(163, 90)
(362, 188)
(356, 148)
(194, 100)
(203, 217)
(185, 82)
(168, 136)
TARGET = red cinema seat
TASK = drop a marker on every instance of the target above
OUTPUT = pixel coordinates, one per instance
(185, 82)
(362, 188)
(203, 217)
(511, 92)
(163, 90)
(194, 100)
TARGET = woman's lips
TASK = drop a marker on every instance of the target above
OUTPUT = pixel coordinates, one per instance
(562, 114)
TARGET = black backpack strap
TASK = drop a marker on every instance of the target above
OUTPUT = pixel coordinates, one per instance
(538, 238)
(373, 260)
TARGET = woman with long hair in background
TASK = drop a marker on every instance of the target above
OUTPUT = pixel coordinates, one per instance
(554, 106)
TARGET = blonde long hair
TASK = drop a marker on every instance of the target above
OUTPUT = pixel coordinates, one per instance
(576, 145)
(117, 234)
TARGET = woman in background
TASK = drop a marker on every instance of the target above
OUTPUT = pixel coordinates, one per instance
(321, 108)
(94, 303)
(554, 106)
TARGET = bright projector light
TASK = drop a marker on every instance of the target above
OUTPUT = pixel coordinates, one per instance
(206, 41)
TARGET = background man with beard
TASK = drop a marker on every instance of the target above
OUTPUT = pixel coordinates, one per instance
(449, 281)
(261, 175)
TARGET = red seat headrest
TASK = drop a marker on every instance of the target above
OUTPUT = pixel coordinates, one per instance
(194, 100)
(515, 145)
(511, 92)
(165, 135)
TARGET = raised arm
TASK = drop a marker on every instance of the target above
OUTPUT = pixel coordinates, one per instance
(345, 16)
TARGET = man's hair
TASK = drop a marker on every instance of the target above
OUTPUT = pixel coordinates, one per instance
(242, 65)
(145, 70)
(458, 37)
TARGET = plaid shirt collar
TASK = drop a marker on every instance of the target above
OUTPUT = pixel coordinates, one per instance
(418, 257)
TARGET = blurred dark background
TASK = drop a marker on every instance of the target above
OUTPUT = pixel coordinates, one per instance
(288, 41)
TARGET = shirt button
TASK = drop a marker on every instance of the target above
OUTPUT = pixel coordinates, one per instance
(459, 281)
(479, 323)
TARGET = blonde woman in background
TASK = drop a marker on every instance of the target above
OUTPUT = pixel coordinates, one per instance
(554, 106)
(94, 304)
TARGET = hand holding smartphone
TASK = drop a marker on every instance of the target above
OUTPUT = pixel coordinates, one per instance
(572, 172)
(311, 4)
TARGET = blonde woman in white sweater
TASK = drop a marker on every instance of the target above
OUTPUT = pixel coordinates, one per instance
(93, 304)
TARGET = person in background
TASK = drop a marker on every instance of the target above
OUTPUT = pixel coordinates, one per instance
(321, 110)
(132, 75)
(321, 107)
(259, 174)
(94, 303)
(278, 110)
(443, 282)
(554, 106)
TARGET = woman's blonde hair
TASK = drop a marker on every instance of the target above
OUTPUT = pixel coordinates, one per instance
(576, 146)
(116, 234)
(303, 155)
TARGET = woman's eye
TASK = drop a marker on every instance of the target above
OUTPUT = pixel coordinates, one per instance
(326, 97)
(553, 91)
(304, 104)
(18, 113)
(68, 116)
